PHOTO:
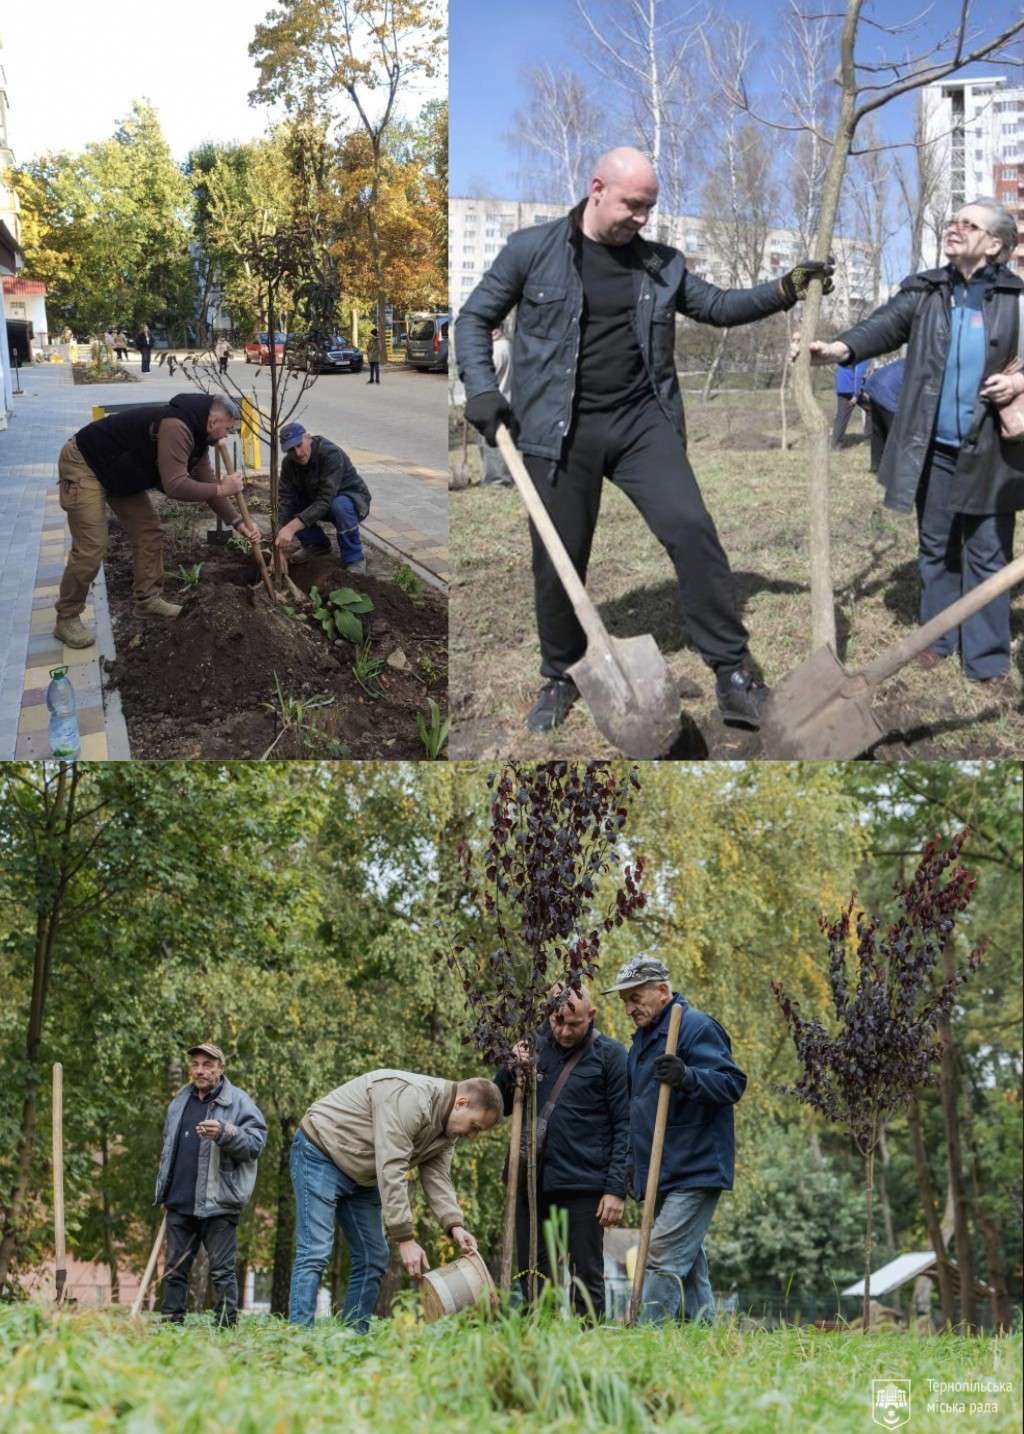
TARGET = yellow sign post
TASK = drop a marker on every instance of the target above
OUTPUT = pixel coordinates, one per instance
(250, 435)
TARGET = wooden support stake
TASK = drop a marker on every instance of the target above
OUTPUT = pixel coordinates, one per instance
(511, 1190)
(154, 1255)
(653, 1172)
(58, 1180)
(243, 508)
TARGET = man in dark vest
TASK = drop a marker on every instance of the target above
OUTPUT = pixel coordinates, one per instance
(584, 1146)
(214, 1134)
(699, 1154)
(114, 462)
(595, 395)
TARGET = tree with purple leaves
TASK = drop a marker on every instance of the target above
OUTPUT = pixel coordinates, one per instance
(886, 1039)
(556, 829)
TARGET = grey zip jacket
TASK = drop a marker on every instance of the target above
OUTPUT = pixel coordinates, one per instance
(227, 1166)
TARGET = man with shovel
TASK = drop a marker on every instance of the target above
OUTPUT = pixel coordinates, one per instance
(698, 1158)
(114, 463)
(213, 1136)
(595, 394)
(350, 1161)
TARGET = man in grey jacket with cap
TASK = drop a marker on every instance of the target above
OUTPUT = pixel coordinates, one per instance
(213, 1136)
(699, 1155)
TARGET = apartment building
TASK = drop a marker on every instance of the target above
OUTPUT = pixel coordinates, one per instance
(477, 229)
(976, 128)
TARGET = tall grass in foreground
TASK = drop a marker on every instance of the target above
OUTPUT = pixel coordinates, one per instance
(96, 1371)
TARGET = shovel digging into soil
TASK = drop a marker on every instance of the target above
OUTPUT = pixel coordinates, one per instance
(296, 592)
(821, 711)
(624, 681)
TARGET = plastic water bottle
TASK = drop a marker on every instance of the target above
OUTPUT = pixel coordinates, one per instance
(60, 699)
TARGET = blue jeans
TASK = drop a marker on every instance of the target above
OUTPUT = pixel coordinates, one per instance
(677, 1267)
(325, 1196)
(345, 518)
(956, 552)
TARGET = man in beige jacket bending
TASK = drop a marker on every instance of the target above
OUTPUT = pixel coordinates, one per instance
(350, 1161)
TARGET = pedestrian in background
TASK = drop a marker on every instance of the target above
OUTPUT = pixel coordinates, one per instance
(373, 356)
(144, 344)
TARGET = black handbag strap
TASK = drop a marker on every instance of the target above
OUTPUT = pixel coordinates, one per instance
(559, 1086)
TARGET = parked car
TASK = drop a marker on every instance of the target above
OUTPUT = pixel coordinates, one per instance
(427, 344)
(334, 354)
(257, 350)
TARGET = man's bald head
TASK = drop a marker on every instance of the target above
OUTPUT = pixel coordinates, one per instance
(623, 191)
(570, 1021)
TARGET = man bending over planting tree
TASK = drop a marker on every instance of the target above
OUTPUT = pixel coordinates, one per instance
(114, 463)
(699, 1154)
(319, 483)
(351, 1159)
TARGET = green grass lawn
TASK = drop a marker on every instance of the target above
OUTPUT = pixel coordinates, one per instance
(96, 1371)
(758, 499)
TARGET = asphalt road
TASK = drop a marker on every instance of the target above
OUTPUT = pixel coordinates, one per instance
(405, 417)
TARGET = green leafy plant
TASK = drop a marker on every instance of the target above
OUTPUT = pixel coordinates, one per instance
(293, 715)
(430, 671)
(337, 614)
(410, 584)
(367, 670)
(189, 575)
(433, 732)
(237, 544)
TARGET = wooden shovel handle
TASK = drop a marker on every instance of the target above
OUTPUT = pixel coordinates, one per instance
(511, 1190)
(154, 1255)
(60, 1249)
(654, 1170)
(900, 653)
(570, 578)
(243, 508)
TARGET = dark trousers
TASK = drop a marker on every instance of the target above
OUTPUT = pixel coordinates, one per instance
(956, 552)
(586, 1245)
(880, 420)
(144, 354)
(219, 1237)
(374, 372)
(644, 455)
(845, 405)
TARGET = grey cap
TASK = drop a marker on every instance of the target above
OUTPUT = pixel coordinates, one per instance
(637, 972)
(208, 1049)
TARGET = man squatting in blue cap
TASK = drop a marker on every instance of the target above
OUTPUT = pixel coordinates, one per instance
(319, 482)
(699, 1155)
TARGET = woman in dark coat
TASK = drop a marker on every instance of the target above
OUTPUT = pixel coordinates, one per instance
(944, 455)
(144, 343)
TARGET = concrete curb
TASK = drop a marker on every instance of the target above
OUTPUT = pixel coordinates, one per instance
(118, 748)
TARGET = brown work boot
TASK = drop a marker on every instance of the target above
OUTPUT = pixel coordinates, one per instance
(73, 632)
(157, 607)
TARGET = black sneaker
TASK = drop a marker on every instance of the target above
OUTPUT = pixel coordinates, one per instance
(552, 706)
(741, 695)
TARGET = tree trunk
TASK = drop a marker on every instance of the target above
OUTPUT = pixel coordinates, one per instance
(337, 1276)
(783, 415)
(389, 1285)
(988, 1224)
(52, 881)
(716, 364)
(109, 1255)
(931, 1219)
(823, 618)
(284, 1230)
(883, 1191)
(961, 1229)
(275, 479)
(869, 1176)
(531, 1184)
(508, 1235)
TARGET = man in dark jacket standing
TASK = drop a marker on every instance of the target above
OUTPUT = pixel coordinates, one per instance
(595, 394)
(699, 1155)
(319, 481)
(114, 463)
(213, 1136)
(945, 456)
(582, 1161)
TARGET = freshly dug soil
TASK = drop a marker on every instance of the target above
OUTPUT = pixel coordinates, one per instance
(205, 685)
(83, 373)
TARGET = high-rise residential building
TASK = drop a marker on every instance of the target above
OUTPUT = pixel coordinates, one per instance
(477, 229)
(975, 130)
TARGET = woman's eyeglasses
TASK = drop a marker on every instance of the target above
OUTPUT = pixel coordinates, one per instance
(966, 226)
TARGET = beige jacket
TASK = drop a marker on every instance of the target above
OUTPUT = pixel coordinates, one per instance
(380, 1126)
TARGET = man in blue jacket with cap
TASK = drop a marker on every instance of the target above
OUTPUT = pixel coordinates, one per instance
(699, 1155)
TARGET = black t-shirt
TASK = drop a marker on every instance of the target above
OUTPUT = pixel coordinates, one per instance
(611, 369)
(181, 1192)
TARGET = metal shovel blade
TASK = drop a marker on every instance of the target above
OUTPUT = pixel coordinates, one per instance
(819, 711)
(626, 685)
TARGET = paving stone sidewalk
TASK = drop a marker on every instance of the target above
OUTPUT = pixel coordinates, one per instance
(34, 539)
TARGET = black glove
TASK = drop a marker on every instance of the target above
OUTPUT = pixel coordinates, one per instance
(486, 411)
(796, 282)
(671, 1070)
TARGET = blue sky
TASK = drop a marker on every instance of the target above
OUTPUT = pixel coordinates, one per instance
(491, 44)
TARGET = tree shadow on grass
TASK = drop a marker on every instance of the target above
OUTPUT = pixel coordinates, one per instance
(902, 741)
